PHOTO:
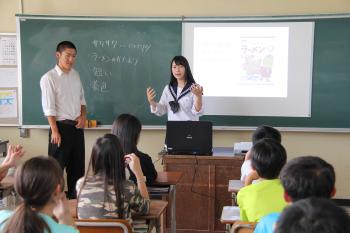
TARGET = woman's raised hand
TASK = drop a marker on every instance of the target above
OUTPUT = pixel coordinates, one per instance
(197, 89)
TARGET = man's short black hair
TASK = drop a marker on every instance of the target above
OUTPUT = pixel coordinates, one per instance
(64, 45)
(308, 176)
(268, 158)
(313, 215)
(265, 131)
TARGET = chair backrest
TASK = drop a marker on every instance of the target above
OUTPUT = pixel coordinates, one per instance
(103, 225)
(243, 227)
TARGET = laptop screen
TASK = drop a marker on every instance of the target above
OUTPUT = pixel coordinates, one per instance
(189, 137)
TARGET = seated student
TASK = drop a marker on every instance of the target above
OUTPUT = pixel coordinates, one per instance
(302, 177)
(263, 131)
(39, 183)
(266, 196)
(104, 192)
(313, 214)
(127, 128)
(14, 153)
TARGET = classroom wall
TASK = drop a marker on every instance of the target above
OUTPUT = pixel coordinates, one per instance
(333, 147)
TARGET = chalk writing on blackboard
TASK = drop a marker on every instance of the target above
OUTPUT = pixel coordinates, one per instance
(115, 44)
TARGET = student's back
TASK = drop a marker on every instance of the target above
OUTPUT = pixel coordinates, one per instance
(127, 128)
(39, 182)
(266, 196)
(302, 177)
(104, 192)
(263, 131)
(313, 215)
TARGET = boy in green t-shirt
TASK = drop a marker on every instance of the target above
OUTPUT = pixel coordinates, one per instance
(266, 196)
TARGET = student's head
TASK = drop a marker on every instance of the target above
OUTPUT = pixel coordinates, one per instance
(107, 158)
(127, 128)
(66, 53)
(265, 131)
(180, 69)
(107, 161)
(315, 215)
(308, 176)
(268, 158)
(37, 182)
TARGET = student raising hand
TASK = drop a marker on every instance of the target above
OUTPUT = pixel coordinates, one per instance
(14, 154)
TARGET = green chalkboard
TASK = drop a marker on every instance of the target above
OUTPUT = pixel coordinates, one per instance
(126, 83)
(117, 60)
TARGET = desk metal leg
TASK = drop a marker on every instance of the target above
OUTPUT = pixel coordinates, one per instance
(234, 199)
(173, 209)
(228, 228)
(158, 225)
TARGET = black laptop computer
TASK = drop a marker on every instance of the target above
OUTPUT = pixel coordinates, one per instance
(189, 137)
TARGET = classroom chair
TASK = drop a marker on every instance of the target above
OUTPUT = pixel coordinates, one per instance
(243, 227)
(103, 225)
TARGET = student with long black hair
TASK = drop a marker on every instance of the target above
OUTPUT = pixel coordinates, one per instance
(39, 183)
(104, 192)
(182, 98)
(127, 128)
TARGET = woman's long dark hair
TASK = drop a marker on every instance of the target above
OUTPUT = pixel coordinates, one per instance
(127, 128)
(35, 182)
(107, 160)
(181, 60)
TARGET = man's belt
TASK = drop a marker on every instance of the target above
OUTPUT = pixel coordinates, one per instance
(68, 122)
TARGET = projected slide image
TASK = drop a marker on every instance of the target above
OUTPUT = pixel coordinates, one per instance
(257, 57)
(242, 61)
(252, 68)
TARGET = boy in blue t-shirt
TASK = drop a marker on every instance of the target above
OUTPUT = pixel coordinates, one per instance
(302, 177)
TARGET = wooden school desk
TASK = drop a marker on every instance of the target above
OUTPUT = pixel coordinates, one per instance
(233, 187)
(157, 208)
(229, 215)
(169, 179)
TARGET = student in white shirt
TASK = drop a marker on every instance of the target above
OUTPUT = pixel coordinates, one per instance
(182, 97)
(64, 105)
(248, 175)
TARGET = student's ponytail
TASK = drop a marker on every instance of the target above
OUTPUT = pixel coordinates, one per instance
(26, 220)
(35, 183)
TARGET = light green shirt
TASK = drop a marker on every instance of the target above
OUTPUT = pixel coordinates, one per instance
(257, 200)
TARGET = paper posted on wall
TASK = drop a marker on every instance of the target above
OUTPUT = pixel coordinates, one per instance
(8, 103)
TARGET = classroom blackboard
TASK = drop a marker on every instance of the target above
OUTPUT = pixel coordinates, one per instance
(122, 85)
(117, 60)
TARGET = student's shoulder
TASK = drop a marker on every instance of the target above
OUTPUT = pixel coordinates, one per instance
(75, 72)
(5, 214)
(266, 224)
(56, 227)
(49, 75)
(142, 155)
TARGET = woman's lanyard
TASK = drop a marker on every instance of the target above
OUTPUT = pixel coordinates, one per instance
(174, 105)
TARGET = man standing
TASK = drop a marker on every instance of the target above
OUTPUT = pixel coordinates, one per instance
(64, 105)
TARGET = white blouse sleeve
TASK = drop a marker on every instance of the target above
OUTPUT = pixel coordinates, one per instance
(194, 111)
(162, 105)
(48, 100)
